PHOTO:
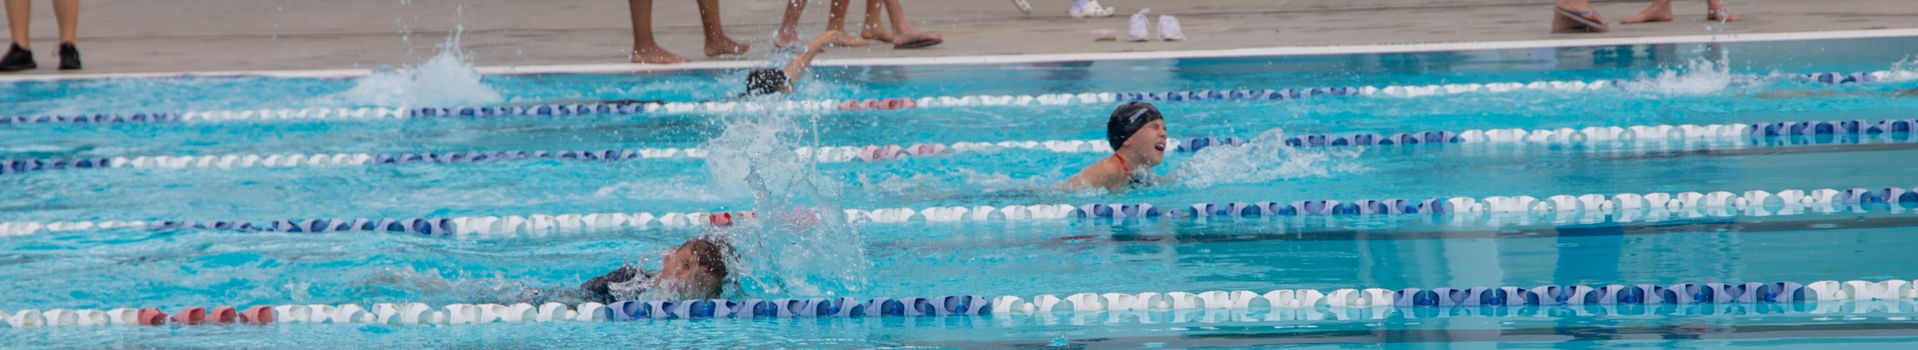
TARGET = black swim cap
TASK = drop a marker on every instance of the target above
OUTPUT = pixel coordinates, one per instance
(765, 82)
(1128, 119)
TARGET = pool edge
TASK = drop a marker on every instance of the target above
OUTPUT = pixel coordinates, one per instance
(1034, 58)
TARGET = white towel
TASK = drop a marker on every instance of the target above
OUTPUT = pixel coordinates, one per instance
(1138, 30)
(1169, 29)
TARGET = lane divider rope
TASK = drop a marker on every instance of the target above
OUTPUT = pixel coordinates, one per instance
(1621, 206)
(364, 113)
(1802, 132)
(1299, 304)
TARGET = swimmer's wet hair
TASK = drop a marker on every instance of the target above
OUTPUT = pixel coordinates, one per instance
(765, 82)
(711, 253)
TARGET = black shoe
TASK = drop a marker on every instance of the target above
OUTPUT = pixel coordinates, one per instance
(17, 59)
(69, 57)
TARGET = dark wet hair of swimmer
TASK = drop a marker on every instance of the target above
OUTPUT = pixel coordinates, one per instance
(767, 82)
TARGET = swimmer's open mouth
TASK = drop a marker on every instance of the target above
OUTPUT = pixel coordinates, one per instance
(1159, 146)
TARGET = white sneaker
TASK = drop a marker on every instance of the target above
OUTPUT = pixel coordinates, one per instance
(1024, 6)
(1169, 29)
(1091, 9)
(1137, 31)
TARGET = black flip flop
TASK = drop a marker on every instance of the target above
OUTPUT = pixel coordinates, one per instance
(1580, 17)
(921, 41)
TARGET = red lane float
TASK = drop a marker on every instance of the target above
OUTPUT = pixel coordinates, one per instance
(192, 315)
(223, 315)
(152, 317)
(878, 104)
(257, 315)
(804, 218)
(890, 152)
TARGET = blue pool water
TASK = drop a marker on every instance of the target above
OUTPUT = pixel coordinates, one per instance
(1680, 84)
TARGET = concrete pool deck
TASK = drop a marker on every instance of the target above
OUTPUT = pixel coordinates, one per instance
(346, 36)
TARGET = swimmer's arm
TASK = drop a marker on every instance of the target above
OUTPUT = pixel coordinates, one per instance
(802, 63)
(1095, 175)
(598, 285)
(1077, 182)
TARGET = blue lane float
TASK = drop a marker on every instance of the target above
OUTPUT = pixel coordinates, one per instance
(1818, 297)
(1769, 133)
(1620, 207)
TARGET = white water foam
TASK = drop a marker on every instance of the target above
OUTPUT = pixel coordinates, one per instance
(800, 244)
(1697, 77)
(1902, 71)
(1265, 159)
(446, 79)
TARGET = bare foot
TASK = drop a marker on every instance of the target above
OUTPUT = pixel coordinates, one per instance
(724, 46)
(656, 55)
(1656, 12)
(908, 37)
(879, 34)
(1714, 16)
(848, 41)
(785, 38)
(1561, 24)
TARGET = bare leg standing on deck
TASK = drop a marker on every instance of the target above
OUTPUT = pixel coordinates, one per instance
(907, 37)
(647, 50)
(1661, 11)
(836, 21)
(717, 43)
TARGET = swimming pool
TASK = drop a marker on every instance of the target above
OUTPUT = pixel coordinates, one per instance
(1675, 174)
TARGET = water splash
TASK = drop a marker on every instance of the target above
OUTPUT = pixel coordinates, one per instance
(1697, 77)
(1264, 159)
(1902, 71)
(799, 245)
(446, 79)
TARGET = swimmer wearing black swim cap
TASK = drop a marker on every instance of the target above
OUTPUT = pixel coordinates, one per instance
(1137, 134)
(770, 81)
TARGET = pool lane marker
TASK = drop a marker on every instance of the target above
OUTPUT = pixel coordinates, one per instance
(1621, 207)
(560, 110)
(1806, 132)
(1819, 297)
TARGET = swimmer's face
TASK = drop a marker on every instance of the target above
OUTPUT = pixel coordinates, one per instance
(686, 274)
(1148, 143)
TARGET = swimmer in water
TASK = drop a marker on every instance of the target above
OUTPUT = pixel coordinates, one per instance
(700, 268)
(768, 81)
(693, 270)
(760, 82)
(1137, 134)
